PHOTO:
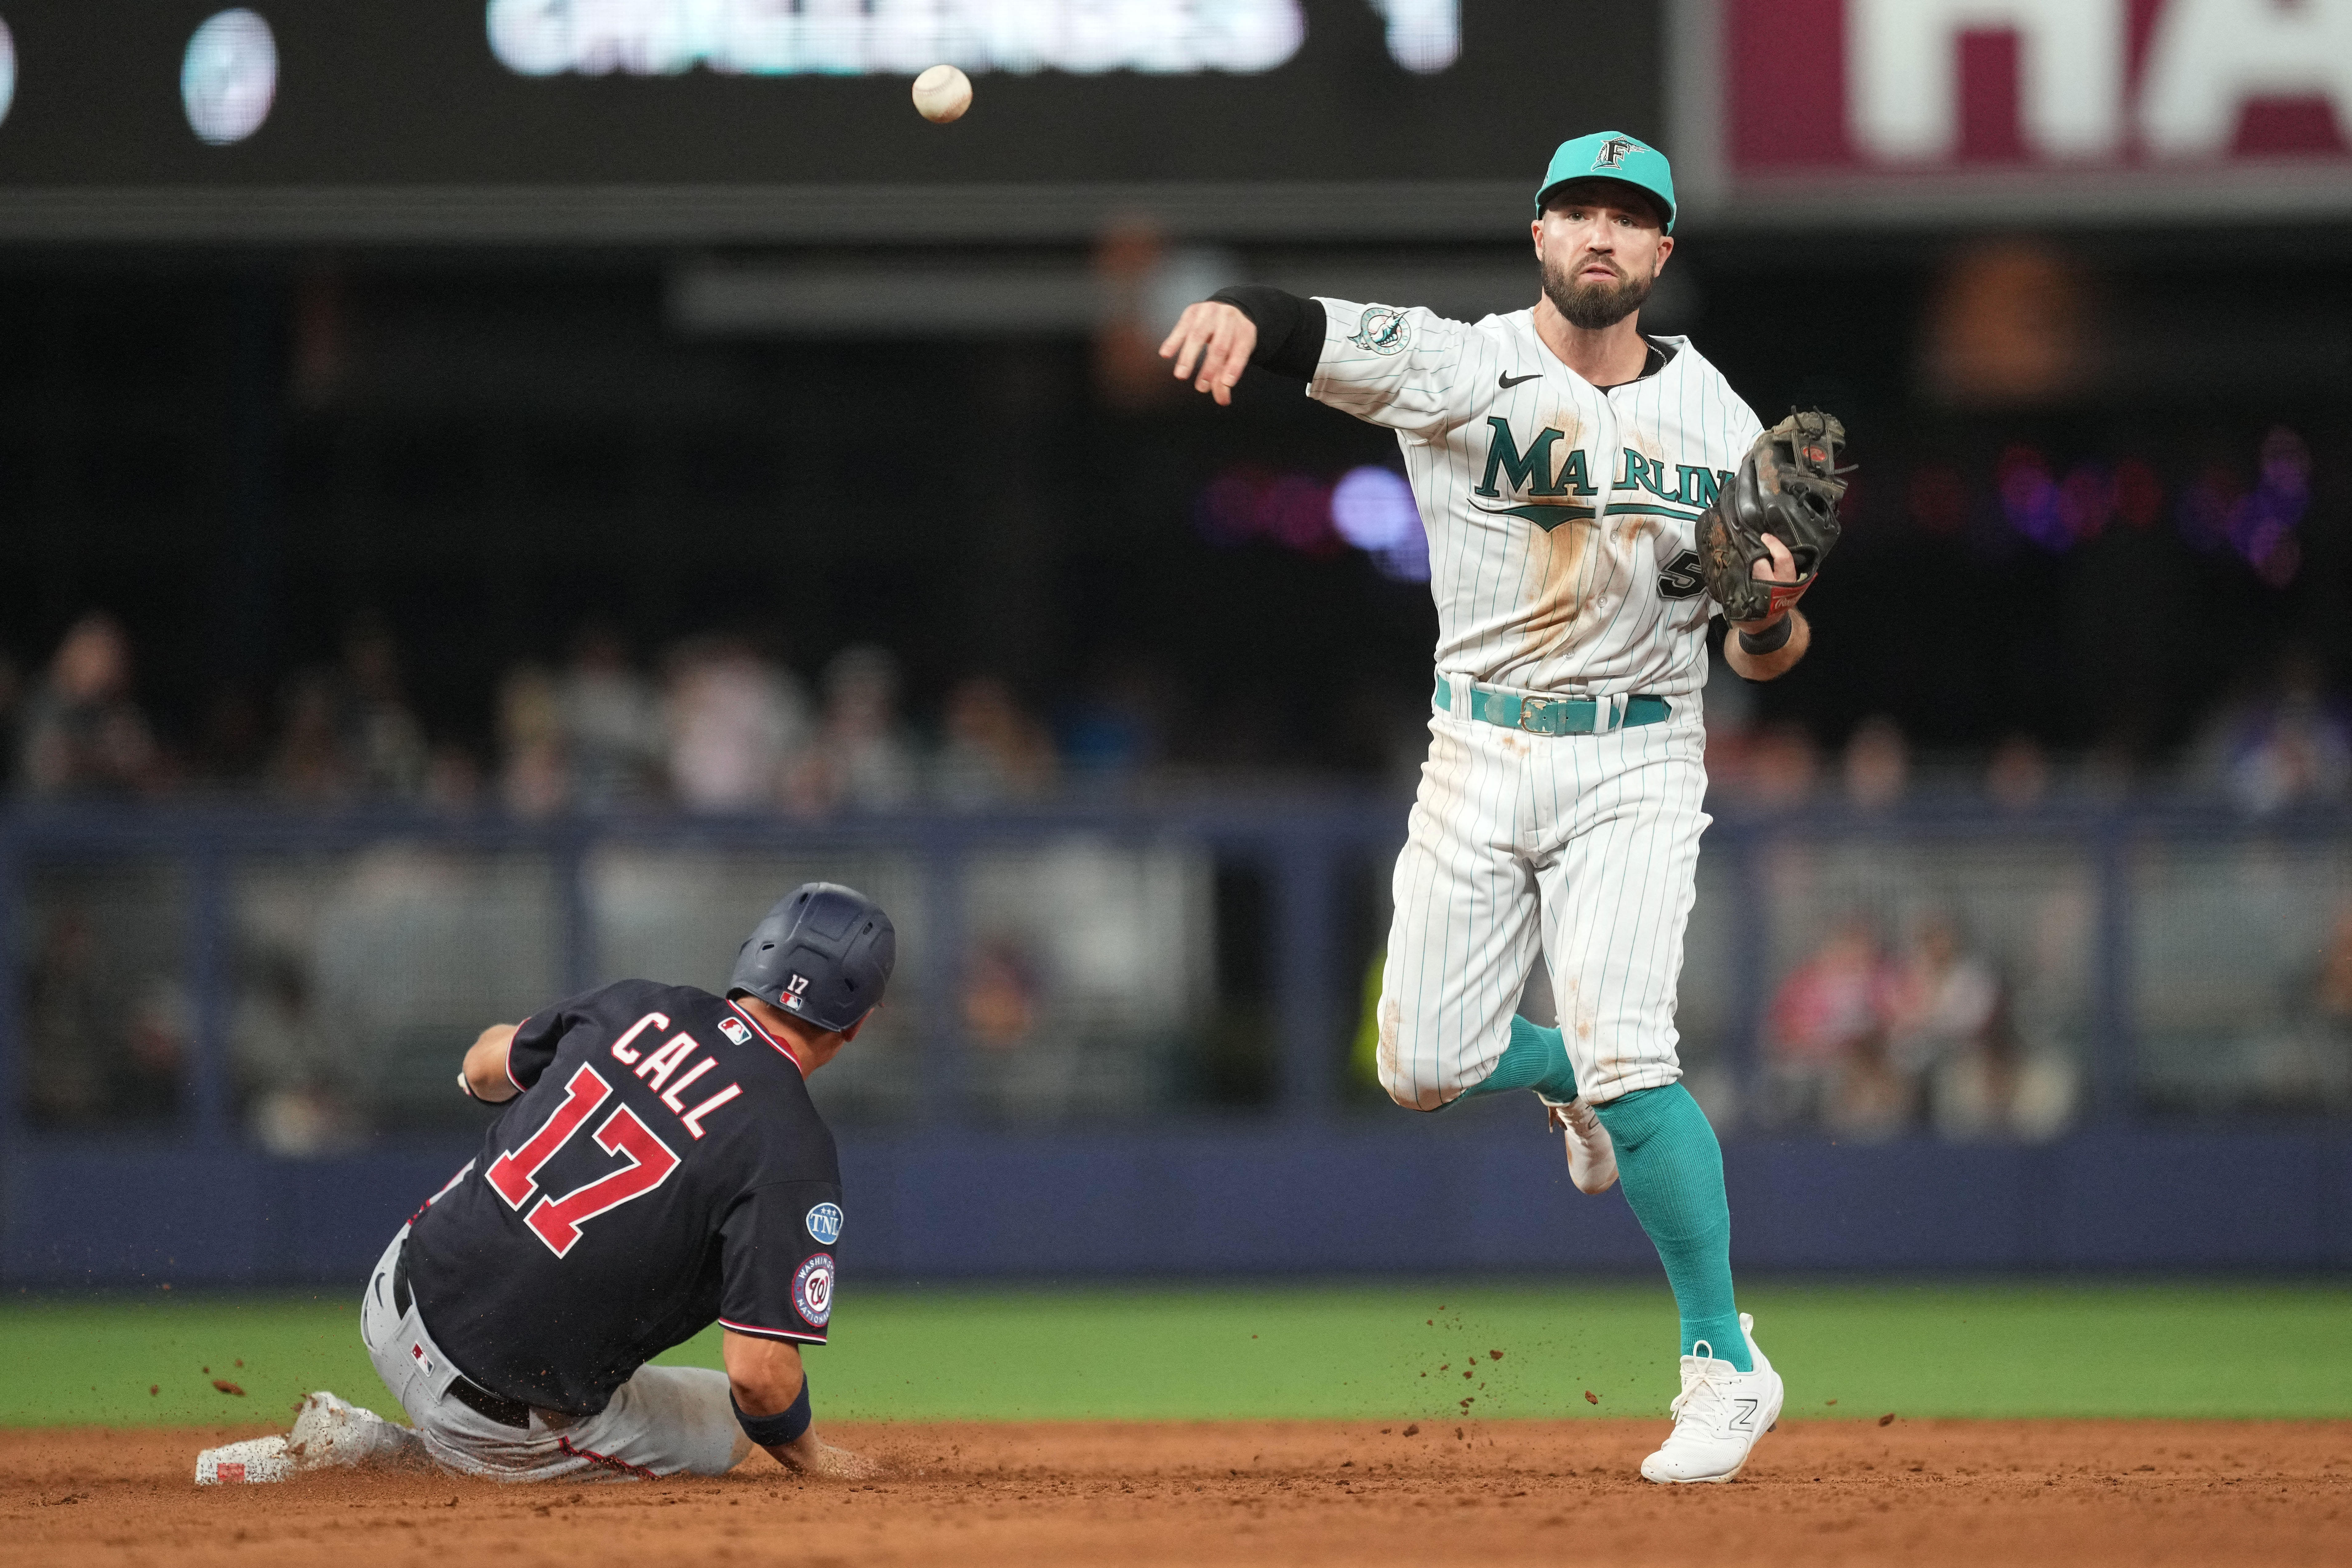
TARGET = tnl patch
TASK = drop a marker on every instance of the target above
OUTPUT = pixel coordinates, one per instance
(823, 1224)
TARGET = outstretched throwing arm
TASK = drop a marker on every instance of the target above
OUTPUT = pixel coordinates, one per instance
(1248, 324)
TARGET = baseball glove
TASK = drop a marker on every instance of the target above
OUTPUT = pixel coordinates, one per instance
(1788, 486)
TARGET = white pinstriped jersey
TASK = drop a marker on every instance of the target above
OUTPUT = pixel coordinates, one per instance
(1559, 516)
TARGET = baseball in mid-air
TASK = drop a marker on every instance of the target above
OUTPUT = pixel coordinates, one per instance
(942, 93)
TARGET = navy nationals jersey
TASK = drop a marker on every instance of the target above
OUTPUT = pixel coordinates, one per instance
(663, 1167)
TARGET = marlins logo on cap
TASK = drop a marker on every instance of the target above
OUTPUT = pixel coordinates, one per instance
(1611, 155)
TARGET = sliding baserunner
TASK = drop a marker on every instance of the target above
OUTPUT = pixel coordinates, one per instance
(1586, 489)
(657, 1167)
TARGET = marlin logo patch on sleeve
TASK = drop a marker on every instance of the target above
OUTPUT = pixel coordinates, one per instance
(1382, 330)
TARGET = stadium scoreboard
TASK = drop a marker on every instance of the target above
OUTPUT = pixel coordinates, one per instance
(281, 113)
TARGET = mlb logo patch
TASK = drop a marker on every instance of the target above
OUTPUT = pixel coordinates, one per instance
(734, 1030)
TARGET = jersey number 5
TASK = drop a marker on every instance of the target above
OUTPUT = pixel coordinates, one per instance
(1680, 577)
(514, 1175)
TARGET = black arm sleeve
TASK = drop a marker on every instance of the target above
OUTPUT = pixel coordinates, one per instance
(1289, 329)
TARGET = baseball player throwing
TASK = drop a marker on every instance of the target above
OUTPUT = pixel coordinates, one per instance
(657, 1165)
(1587, 489)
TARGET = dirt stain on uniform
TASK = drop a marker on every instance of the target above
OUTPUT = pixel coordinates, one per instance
(1577, 1014)
(1558, 555)
(1578, 1011)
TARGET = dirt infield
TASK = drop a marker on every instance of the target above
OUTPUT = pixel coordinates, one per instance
(1818, 1492)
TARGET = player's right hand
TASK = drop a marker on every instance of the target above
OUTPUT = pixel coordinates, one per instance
(1214, 339)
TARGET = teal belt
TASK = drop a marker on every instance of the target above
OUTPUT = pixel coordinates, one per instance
(1554, 715)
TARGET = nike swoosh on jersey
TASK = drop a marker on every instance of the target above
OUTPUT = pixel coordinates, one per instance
(1508, 381)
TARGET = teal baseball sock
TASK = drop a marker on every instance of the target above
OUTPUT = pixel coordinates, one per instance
(1536, 1059)
(1671, 1168)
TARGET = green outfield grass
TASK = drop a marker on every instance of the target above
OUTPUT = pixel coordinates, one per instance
(1351, 1351)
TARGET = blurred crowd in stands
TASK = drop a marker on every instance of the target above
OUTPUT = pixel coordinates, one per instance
(723, 727)
(1870, 1042)
(1936, 1012)
(2266, 746)
(1868, 1039)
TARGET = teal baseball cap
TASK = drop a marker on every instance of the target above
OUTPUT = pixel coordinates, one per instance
(1611, 155)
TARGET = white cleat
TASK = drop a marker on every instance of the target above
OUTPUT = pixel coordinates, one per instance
(332, 1433)
(1592, 1157)
(1718, 1415)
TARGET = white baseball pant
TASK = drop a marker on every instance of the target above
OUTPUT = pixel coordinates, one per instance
(1585, 844)
(664, 1419)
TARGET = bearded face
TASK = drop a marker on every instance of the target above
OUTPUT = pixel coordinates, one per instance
(1593, 304)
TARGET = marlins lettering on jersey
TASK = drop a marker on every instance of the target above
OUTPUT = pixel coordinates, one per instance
(1530, 474)
(1543, 582)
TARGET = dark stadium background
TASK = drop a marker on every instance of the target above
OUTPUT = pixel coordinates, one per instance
(447, 369)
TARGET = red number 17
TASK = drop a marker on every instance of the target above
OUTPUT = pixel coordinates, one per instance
(514, 1175)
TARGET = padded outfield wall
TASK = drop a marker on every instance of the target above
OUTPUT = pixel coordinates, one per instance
(1125, 1042)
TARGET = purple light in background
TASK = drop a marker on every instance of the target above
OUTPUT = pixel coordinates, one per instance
(1372, 509)
(2259, 524)
(1294, 511)
(2262, 526)
(1246, 504)
(2030, 498)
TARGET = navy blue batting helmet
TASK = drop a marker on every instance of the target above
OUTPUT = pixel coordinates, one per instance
(823, 953)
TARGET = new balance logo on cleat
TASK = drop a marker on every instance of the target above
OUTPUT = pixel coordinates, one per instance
(1720, 1414)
